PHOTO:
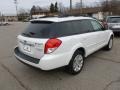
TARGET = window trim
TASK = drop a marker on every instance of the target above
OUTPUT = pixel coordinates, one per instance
(78, 20)
(89, 31)
(99, 24)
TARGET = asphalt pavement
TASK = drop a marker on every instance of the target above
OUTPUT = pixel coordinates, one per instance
(101, 70)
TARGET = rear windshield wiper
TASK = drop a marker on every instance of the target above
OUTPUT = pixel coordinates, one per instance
(25, 34)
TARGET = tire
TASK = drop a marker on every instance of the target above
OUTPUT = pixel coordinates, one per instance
(110, 44)
(76, 64)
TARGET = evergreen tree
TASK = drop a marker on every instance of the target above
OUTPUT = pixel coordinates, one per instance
(56, 7)
(52, 8)
(33, 10)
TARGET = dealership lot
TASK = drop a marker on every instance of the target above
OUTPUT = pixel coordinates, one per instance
(101, 70)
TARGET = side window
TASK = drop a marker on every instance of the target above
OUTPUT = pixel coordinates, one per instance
(82, 26)
(96, 26)
(61, 29)
(69, 28)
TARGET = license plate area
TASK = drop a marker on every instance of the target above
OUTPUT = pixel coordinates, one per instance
(27, 48)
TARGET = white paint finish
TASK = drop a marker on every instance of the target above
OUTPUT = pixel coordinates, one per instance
(62, 19)
(37, 46)
(91, 42)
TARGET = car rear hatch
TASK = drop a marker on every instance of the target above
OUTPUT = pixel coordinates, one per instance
(32, 41)
(31, 46)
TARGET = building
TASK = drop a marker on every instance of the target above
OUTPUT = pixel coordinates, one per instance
(44, 13)
(10, 18)
(95, 12)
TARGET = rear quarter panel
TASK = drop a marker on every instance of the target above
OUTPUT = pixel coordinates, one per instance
(69, 45)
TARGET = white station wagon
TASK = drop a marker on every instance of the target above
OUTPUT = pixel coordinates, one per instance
(50, 43)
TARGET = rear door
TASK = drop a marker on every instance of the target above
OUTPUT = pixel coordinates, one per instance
(86, 37)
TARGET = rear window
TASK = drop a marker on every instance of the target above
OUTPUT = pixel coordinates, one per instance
(36, 29)
(113, 20)
(48, 30)
(82, 26)
(54, 30)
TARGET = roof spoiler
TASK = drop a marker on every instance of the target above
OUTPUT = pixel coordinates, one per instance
(40, 21)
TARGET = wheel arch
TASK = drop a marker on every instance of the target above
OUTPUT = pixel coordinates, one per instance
(82, 50)
(112, 36)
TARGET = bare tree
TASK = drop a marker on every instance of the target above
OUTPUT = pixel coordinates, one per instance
(61, 7)
(111, 6)
(23, 14)
(115, 7)
(78, 5)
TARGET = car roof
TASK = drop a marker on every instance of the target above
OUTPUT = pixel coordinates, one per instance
(61, 19)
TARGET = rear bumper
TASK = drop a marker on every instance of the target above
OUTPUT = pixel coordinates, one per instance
(19, 54)
(47, 62)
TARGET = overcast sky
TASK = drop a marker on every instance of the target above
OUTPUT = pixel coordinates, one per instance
(8, 6)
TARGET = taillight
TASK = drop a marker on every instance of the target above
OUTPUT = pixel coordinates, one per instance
(51, 45)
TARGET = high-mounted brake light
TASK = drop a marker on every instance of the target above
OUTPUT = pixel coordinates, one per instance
(51, 45)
